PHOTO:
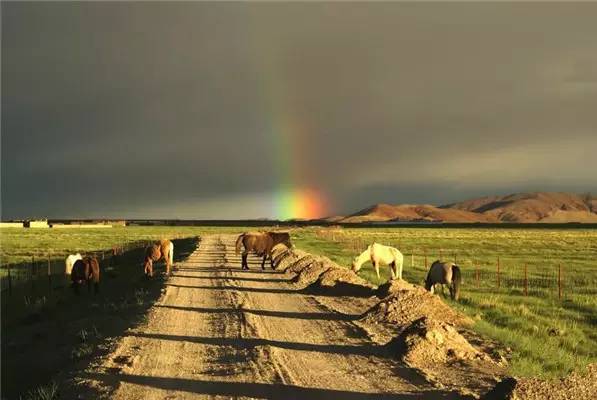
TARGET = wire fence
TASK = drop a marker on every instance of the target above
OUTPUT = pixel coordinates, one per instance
(499, 273)
(48, 267)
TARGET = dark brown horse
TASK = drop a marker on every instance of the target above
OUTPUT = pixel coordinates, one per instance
(260, 243)
(163, 249)
(86, 270)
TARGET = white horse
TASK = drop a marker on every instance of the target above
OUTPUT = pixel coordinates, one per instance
(70, 261)
(380, 254)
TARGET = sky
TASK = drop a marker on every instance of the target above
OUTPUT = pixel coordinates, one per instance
(201, 110)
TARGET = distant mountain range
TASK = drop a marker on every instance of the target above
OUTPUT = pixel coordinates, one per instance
(544, 207)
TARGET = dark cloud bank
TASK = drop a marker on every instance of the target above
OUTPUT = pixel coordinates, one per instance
(170, 110)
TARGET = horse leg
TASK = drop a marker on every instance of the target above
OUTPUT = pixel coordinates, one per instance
(376, 266)
(272, 261)
(244, 264)
(392, 269)
(263, 261)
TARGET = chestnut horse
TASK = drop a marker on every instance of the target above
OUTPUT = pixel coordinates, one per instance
(163, 249)
(261, 243)
(85, 270)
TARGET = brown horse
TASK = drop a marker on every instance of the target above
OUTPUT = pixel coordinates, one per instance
(163, 249)
(260, 243)
(85, 270)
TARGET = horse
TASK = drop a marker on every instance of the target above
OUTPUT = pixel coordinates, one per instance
(380, 254)
(260, 243)
(85, 270)
(444, 273)
(162, 249)
(70, 261)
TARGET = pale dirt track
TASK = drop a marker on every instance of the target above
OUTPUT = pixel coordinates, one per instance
(219, 332)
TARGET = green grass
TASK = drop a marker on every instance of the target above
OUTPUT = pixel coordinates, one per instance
(549, 337)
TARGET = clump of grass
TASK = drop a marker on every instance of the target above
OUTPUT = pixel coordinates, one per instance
(49, 392)
(82, 351)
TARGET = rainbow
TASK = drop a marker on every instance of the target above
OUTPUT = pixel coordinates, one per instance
(295, 195)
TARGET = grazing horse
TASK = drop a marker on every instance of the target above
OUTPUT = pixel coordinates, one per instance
(85, 270)
(70, 261)
(260, 243)
(380, 254)
(444, 273)
(163, 249)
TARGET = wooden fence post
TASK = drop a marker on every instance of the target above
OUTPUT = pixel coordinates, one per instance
(412, 259)
(498, 272)
(560, 281)
(526, 281)
(441, 255)
(455, 258)
(425, 253)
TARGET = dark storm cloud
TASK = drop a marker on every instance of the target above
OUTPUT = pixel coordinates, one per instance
(160, 109)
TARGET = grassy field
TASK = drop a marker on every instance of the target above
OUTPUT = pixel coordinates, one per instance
(549, 337)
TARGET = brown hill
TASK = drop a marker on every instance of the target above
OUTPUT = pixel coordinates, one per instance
(414, 213)
(533, 207)
(519, 207)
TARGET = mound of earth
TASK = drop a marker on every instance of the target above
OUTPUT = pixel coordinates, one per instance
(301, 263)
(340, 281)
(311, 273)
(278, 252)
(404, 303)
(441, 354)
(289, 258)
(393, 286)
(578, 385)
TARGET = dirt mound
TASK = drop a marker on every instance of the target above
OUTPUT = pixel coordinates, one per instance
(441, 354)
(406, 303)
(278, 252)
(578, 385)
(338, 281)
(427, 341)
(393, 286)
(288, 258)
(311, 273)
(302, 263)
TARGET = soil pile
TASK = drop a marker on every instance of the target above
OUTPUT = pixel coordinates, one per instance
(279, 251)
(578, 385)
(301, 263)
(407, 303)
(284, 261)
(338, 281)
(442, 355)
(311, 273)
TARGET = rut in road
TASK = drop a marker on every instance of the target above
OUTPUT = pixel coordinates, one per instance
(221, 332)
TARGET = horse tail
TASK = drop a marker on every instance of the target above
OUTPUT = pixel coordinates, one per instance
(171, 253)
(456, 282)
(238, 242)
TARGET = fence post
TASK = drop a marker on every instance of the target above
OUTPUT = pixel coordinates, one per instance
(441, 255)
(9, 281)
(526, 281)
(560, 281)
(412, 259)
(498, 272)
(455, 262)
(425, 254)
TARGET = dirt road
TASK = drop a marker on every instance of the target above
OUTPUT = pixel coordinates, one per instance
(220, 332)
